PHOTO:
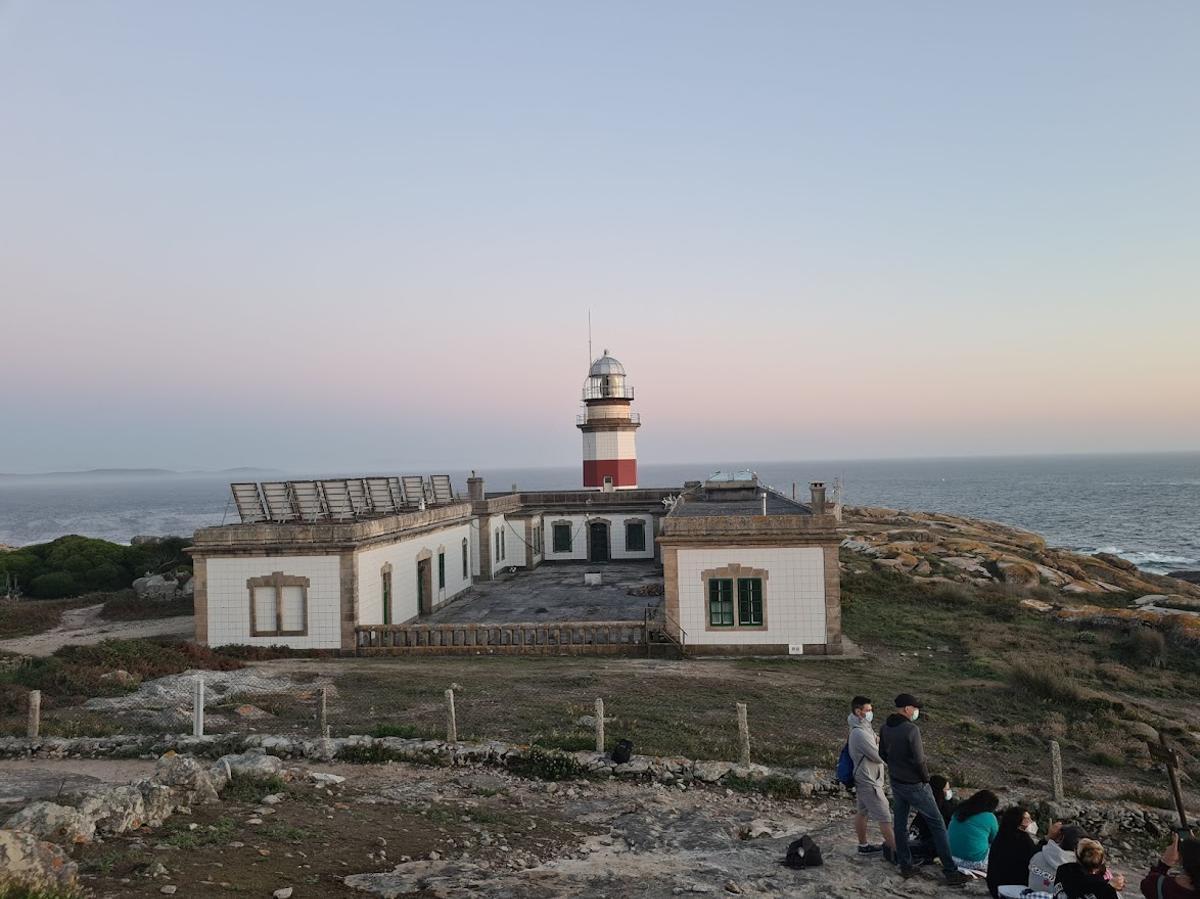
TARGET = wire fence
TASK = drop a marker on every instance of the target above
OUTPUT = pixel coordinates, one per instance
(698, 721)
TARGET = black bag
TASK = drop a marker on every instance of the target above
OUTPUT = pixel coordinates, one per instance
(803, 853)
(622, 752)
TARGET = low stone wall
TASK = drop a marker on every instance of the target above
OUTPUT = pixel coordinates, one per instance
(425, 752)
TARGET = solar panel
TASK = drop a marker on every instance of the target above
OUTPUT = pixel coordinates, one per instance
(360, 502)
(278, 497)
(337, 499)
(414, 489)
(379, 490)
(308, 500)
(442, 491)
(249, 503)
(397, 491)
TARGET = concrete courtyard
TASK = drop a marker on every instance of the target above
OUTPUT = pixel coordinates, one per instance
(556, 592)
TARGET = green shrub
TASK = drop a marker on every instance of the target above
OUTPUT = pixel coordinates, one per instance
(54, 585)
(128, 606)
(375, 754)
(547, 764)
(1044, 680)
(1106, 758)
(403, 731)
(1143, 647)
(244, 788)
(775, 786)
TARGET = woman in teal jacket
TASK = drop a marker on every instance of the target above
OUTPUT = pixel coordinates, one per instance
(973, 826)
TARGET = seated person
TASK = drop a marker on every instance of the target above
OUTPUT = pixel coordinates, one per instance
(1089, 878)
(1011, 850)
(920, 840)
(973, 826)
(1161, 884)
(1059, 850)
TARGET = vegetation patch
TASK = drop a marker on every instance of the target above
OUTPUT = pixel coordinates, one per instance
(548, 764)
(243, 788)
(74, 565)
(775, 786)
(23, 617)
(375, 754)
(128, 606)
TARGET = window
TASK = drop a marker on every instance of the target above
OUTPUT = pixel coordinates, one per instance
(750, 602)
(496, 552)
(278, 605)
(441, 571)
(635, 536)
(562, 538)
(466, 558)
(386, 590)
(720, 602)
(503, 545)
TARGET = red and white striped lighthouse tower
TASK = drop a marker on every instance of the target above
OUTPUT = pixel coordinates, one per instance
(608, 425)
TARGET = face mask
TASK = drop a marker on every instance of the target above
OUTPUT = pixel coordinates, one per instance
(869, 717)
(1031, 829)
(916, 714)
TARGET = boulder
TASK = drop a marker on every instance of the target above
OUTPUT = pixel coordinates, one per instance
(247, 764)
(1115, 561)
(27, 861)
(179, 771)
(114, 809)
(155, 586)
(711, 772)
(1015, 571)
(56, 823)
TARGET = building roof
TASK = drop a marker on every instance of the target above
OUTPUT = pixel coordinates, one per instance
(704, 504)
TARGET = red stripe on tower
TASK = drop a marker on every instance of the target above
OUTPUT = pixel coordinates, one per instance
(608, 426)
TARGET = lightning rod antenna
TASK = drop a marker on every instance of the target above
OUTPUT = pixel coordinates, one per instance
(589, 338)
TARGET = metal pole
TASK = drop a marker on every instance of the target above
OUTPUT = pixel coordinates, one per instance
(1056, 775)
(743, 735)
(198, 706)
(323, 712)
(451, 723)
(599, 725)
(35, 714)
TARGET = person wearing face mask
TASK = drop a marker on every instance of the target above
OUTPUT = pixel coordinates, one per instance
(868, 779)
(1059, 850)
(920, 839)
(1010, 852)
(900, 746)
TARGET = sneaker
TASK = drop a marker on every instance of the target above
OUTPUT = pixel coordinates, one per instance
(957, 878)
(868, 848)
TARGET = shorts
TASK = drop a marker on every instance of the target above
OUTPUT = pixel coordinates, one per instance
(872, 803)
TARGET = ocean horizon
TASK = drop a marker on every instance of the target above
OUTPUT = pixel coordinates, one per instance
(1144, 507)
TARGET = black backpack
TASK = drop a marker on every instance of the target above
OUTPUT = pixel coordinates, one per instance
(622, 752)
(803, 853)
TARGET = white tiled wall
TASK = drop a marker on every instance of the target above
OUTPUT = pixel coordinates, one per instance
(609, 445)
(616, 531)
(403, 557)
(794, 594)
(229, 599)
(514, 536)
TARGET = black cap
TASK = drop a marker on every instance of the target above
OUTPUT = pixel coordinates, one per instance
(907, 699)
(1071, 835)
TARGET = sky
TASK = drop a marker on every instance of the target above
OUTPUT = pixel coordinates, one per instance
(333, 236)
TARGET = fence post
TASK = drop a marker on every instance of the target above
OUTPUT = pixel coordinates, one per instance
(599, 725)
(35, 714)
(451, 723)
(1056, 777)
(743, 736)
(198, 706)
(323, 713)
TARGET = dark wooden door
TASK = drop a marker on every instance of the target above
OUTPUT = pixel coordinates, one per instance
(598, 542)
(424, 587)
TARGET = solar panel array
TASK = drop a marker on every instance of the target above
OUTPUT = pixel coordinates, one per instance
(338, 499)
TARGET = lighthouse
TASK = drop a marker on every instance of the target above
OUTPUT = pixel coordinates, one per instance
(608, 426)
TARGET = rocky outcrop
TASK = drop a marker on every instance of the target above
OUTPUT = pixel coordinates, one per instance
(940, 547)
(27, 861)
(158, 586)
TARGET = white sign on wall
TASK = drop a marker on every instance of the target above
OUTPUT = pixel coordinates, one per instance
(795, 649)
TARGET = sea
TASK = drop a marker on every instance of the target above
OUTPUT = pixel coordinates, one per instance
(1144, 508)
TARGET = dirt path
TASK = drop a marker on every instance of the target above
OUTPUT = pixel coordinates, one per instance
(85, 626)
(23, 780)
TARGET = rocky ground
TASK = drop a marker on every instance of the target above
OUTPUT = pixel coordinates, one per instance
(400, 830)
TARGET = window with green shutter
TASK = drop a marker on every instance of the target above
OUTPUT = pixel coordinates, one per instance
(562, 538)
(750, 601)
(635, 536)
(441, 571)
(720, 602)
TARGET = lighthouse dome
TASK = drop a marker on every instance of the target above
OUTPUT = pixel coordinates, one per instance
(606, 365)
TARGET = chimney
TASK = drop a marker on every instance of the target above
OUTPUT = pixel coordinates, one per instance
(818, 497)
(764, 503)
(475, 488)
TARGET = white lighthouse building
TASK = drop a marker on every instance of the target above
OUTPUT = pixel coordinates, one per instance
(608, 426)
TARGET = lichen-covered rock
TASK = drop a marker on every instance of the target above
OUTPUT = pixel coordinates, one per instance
(711, 772)
(114, 809)
(53, 822)
(247, 764)
(27, 861)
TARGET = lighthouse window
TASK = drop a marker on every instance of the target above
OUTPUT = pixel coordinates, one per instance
(562, 538)
(750, 601)
(720, 602)
(635, 536)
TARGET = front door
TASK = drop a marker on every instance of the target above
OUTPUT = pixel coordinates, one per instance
(424, 588)
(387, 597)
(598, 541)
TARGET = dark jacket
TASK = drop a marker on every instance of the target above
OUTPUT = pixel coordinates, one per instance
(1008, 860)
(900, 746)
(919, 829)
(1159, 882)
(1077, 883)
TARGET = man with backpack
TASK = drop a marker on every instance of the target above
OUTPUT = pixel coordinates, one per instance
(901, 747)
(863, 750)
